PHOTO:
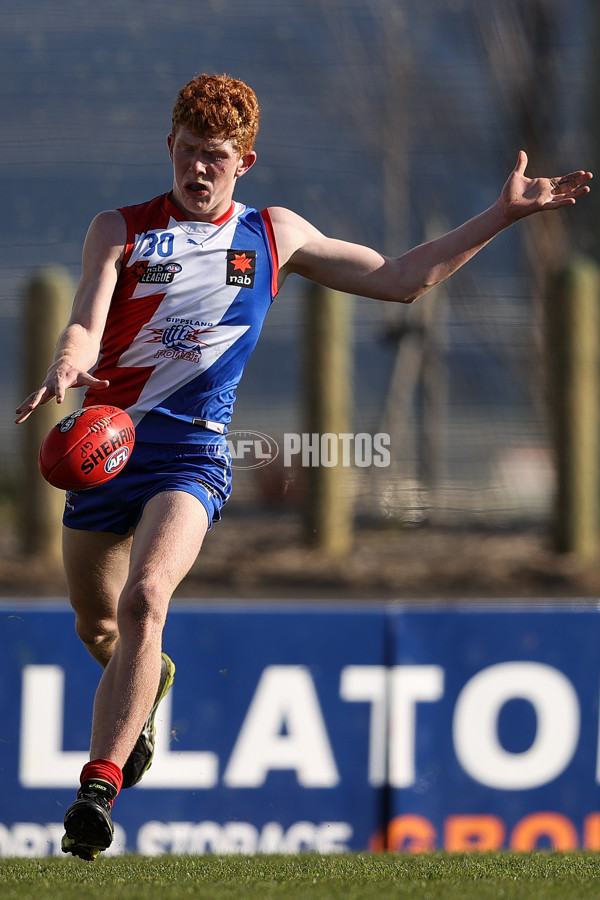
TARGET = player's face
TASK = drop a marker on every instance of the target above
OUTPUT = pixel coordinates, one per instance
(205, 171)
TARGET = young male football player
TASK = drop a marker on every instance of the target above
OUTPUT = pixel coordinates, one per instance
(171, 301)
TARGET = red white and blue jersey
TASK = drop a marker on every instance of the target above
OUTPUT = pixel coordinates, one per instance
(187, 311)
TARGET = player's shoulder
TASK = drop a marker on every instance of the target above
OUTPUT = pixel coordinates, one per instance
(108, 224)
(111, 221)
(282, 216)
(106, 236)
(291, 231)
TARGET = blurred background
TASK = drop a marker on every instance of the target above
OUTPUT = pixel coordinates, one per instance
(385, 123)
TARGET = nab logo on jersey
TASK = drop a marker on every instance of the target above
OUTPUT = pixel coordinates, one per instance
(241, 268)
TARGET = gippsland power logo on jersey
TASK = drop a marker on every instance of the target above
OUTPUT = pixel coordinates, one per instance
(241, 268)
(162, 273)
(181, 339)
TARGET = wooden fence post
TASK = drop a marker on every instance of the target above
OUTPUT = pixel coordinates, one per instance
(47, 303)
(573, 357)
(329, 501)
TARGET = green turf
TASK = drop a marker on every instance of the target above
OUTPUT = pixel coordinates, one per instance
(439, 876)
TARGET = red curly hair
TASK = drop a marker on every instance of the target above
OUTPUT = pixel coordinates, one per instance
(218, 106)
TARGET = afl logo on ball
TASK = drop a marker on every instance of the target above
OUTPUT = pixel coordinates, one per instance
(116, 460)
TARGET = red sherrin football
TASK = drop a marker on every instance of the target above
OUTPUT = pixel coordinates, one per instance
(87, 448)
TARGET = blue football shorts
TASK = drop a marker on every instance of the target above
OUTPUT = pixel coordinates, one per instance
(203, 470)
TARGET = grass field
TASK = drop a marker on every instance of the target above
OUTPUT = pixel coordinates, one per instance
(439, 876)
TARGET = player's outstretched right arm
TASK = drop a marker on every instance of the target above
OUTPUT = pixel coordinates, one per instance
(79, 344)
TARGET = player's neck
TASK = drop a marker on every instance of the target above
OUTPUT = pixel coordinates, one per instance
(214, 217)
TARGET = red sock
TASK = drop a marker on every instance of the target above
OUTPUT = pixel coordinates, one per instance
(104, 769)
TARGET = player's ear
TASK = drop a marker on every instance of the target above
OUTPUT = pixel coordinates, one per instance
(246, 162)
(170, 142)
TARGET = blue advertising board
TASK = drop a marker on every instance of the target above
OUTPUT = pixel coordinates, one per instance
(263, 743)
(494, 729)
(321, 729)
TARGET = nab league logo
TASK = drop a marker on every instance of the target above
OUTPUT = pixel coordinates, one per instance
(162, 273)
(241, 268)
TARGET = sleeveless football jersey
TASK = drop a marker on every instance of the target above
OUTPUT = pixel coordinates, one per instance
(187, 311)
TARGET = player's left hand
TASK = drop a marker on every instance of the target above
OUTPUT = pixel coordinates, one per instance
(522, 196)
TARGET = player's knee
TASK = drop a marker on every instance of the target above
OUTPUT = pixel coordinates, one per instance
(143, 607)
(96, 633)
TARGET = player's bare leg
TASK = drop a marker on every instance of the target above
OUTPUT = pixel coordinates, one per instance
(166, 542)
(164, 546)
(96, 565)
